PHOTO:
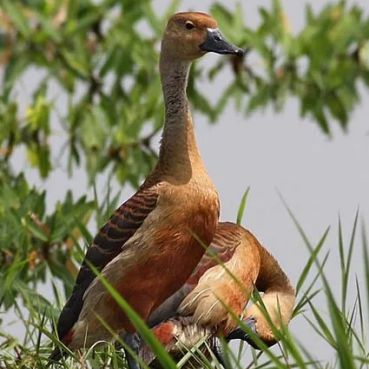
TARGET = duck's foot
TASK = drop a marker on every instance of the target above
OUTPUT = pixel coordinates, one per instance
(132, 340)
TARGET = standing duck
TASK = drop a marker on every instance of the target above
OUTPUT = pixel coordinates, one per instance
(154, 240)
(234, 264)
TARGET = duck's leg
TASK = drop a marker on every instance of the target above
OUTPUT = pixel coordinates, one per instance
(237, 334)
(132, 340)
(217, 349)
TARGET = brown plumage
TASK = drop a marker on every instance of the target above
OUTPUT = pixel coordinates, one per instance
(200, 309)
(150, 245)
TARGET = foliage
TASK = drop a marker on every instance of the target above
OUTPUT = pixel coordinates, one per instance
(343, 324)
(96, 63)
(84, 73)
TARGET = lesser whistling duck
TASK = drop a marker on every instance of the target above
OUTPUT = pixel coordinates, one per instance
(200, 309)
(150, 245)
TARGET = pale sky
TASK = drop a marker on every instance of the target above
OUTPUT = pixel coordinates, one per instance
(319, 177)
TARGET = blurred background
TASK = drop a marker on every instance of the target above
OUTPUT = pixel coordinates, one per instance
(80, 123)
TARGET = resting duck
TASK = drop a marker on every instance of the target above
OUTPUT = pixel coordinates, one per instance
(166, 223)
(234, 264)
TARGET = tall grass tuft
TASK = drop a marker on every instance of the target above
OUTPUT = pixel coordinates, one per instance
(336, 315)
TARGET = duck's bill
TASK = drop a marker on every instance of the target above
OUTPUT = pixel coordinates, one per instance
(240, 334)
(216, 43)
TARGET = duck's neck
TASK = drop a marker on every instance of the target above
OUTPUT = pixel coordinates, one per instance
(271, 276)
(179, 156)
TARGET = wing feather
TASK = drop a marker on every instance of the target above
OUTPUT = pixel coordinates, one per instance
(107, 244)
(222, 248)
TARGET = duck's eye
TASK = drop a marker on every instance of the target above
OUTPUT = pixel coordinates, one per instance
(189, 25)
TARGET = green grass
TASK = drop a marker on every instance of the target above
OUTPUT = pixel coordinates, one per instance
(340, 321)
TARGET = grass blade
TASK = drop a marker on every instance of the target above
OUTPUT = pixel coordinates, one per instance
(242, 207)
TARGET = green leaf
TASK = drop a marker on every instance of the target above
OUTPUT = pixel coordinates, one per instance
(364, 55)
(35, 230)
(242, 206)
(314, 252)
(76, 63)
(15, 11)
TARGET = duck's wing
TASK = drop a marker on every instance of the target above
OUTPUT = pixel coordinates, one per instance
(107, 244)
(220, 251)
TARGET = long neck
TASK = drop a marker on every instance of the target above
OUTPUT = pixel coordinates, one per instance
(178, 152)
(271, 277)
(278, 299)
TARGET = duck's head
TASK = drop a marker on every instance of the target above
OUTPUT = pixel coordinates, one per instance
(267, 320)
(190, 35)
